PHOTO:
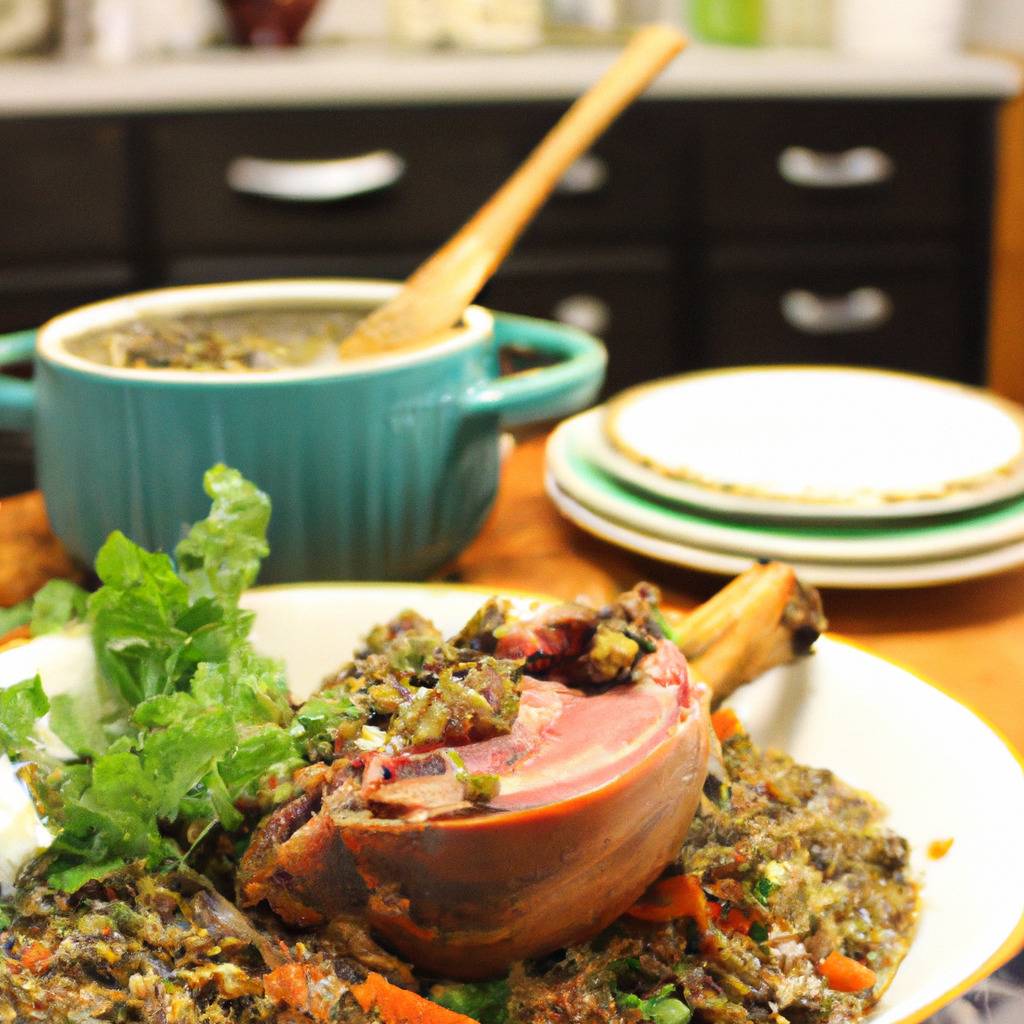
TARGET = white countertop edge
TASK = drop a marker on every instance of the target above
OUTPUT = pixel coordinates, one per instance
(234, 79)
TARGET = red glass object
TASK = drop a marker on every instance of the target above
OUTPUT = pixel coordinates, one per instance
(268, 22)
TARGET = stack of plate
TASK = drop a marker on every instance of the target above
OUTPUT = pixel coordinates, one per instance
(859, 478)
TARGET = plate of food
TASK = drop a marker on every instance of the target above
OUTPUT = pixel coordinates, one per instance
(409, 803)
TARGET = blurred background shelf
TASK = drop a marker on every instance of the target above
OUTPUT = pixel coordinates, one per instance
(759, 205)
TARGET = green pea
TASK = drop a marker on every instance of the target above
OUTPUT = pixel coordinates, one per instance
(671, 1011)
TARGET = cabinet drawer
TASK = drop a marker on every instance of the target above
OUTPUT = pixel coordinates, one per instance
(65, 190)
(448, 163)
(817, 166)
(443, 164)
(629, 298)
(636, 185)
(907, 312)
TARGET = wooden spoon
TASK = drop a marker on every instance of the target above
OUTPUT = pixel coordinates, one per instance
(434, 298)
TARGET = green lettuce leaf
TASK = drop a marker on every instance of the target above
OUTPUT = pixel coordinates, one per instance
(74, 722)
(56, 604)
(15, 616)
(138, 642)
(205, 721)
(21, 706)
(220, 557)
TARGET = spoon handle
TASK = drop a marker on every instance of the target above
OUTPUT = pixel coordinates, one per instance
(436, 295)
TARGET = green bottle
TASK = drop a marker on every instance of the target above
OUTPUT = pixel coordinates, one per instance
(727, 21)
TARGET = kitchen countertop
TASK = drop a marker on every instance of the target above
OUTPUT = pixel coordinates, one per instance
(364, 74)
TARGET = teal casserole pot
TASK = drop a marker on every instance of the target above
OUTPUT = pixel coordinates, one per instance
(378, 468)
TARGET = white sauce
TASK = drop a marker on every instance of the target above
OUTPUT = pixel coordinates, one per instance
(22, 834)
(66, 664)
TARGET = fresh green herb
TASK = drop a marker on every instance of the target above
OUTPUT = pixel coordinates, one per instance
(758, 932)
(478, 787)
(221, 555)
(15, 616)
(56, 604)
(20, 706)
(78, 723)
(6, 916)
(630, 962)
(203, 720)
(484, 1001)
(763, 888)
(152, 627)
(323, 717)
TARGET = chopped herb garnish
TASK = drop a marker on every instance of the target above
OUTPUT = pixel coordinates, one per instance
(758, 932)
(484, 1001)
(763, 888)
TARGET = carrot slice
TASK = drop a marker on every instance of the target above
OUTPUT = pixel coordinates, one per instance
(36, 957)
(726, 724)
(400, 1006)
(733, 921)
(304, 987)
(676, 896)
(845, 974)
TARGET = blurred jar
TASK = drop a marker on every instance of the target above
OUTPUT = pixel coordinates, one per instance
(797, 22)
(495, 24)
(469, 24)
(417, 22)
(117, 31)
(598, 21)
(907, 28)
(728, 21)
(25, 25)
(268, 22)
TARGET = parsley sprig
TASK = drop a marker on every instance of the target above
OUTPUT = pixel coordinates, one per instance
(202, 722)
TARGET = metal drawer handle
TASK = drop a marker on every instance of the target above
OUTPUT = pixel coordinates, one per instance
(854, 168)
(315, 181)
(589, 174)
(587, 312)
(864, 309)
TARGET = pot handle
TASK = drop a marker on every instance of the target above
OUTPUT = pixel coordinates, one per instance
(549, 391)
(17, 397)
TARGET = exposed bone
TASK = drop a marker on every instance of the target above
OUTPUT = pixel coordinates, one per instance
(763, 618)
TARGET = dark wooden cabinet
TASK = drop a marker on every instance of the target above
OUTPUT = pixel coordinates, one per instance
(65, 190)
(902, 307)
(697, 233)
(856, 169)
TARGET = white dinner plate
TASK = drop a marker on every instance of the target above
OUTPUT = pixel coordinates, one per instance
(876, 725)
(816, 442)
(872, 576)
(570, 461)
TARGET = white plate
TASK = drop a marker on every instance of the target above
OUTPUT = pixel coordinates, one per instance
(571, 463)
(876, 725)
(817, 442)
(820, 574)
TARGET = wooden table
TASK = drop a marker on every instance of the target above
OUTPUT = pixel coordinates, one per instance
(968, 637)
